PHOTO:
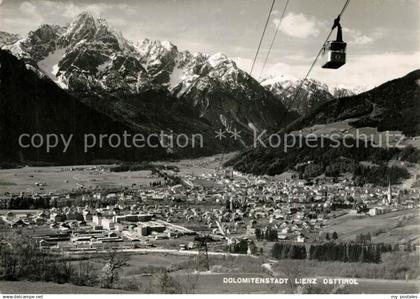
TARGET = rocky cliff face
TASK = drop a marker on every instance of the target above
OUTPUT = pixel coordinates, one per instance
(8, 38)
(311, 94)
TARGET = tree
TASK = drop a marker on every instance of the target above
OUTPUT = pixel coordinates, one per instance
(368, 237)
(165, 284)
(258, 234)
(84, 274)
(335, 236)
(285, 251)
(300, 252)
(291, 253)
(377, 254)
(110, 272)
(276, 250)
(327, 236)
(253, 249)
(190, 282)
(362, 256)
(21, 258)
(240, 247)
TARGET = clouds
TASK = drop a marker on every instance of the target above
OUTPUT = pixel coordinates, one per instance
(356, 37)
(116, 14)
(360, 72)
(382, 38)
(299, 25)
(274, 69)
(21, 17)
(27, 7)
(375, 69)
(245, 63)
(369, 70)
(70, 10)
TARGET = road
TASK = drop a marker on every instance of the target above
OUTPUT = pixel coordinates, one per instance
(161, 250)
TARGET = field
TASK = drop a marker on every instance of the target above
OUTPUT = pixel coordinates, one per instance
(203, 165)
(142, 269)
(67, 178)
(207, 283)
(391, 227)
(40, 287)
(63, 179)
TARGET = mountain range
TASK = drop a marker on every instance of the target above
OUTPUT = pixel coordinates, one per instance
(391, 108)
(88, 57)
(151, 86)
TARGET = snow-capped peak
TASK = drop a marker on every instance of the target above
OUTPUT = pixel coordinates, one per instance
(82, 27)
(168, 45)
(86, 28)
(149, 47)
(312, 93)
(36, 44)
(273, 79)
(219, 58)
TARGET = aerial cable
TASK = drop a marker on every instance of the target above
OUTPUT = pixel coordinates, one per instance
(317, 56)
(274, 38)
(290, 126)
(262, 37)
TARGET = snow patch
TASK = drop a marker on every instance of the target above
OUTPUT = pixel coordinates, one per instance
(176, 77)
(216, 59)
(49, 66)
(103, 66)
(280, 79)
(16, 50)
(167, 45)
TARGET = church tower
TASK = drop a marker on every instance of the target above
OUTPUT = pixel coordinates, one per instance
(389, 193)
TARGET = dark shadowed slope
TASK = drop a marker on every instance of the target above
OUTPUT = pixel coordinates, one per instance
(32, 105)
(395, 105)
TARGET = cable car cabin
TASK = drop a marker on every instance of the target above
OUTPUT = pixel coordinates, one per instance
(334, 54)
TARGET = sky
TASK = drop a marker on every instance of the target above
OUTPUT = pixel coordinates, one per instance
(383, 35)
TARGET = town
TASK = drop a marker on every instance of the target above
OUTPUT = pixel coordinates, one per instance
(177, 208)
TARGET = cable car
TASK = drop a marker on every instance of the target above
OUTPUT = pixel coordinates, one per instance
(334, 55)
(334, 52)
